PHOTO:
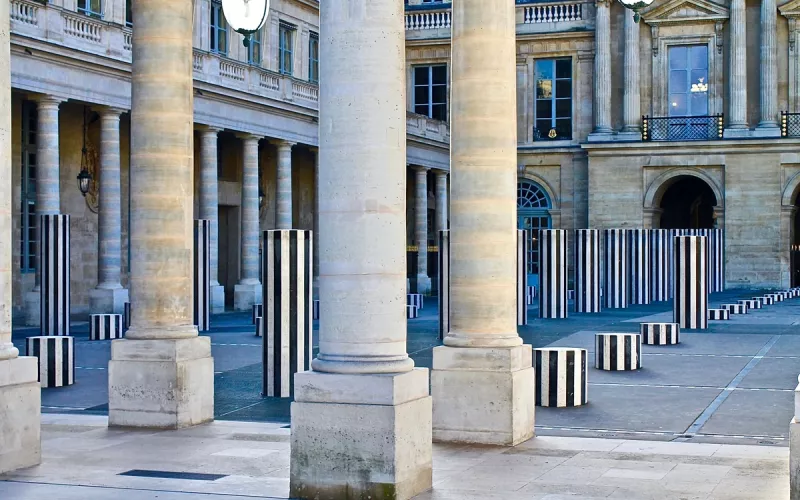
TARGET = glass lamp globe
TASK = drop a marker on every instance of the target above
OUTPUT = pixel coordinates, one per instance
(84, 178)
(635, 6)
(245, 16)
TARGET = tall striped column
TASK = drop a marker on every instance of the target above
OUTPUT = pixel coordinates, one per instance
(54, 235)
(202, 274)
(553, 273)
(288, 308)
(522, 277)
(660, 265)
(716, 249)
(587, 271)
(639, 265)
(690, 307)
(616, 268)
(444, 283)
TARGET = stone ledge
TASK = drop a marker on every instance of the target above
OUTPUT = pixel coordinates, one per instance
(19, 370)
(495, 359)
(369, 389)
(176, 350)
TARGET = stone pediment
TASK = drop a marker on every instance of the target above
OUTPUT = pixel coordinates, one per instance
(682, 11)
(790, 8)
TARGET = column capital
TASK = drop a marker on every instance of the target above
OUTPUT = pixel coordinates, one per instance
(48, 100)
(109, 111)
(441, 173)
(282, 143)
(419, 168)
(208, 129)
(246, 136)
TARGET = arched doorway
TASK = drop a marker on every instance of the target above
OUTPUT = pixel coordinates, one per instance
(533, 213)
(687, 203)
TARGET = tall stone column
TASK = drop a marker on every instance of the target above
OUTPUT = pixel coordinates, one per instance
(109, 296)
(632, 102)
(602, 70)
(363, 402)
(248, 291)
(20, 394)
(162, 374)
(482, 379)
(421, 229)
(441, 201)
(284, 215)
(209, 209)
(768, 126)
(315, 282)
(737, 109)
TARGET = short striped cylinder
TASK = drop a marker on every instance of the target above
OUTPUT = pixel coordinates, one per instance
(553, 273)
(560, 378)
(530, 294)
(414, 299)
(522, 277)
(639, 265)
(570, 294)
(784, 294)
(126, 315)
(202, 274)
(734, 308)
(616, 268)
(444, 283)
(258, 311)
(105, 326)
(660, 333)
(751, 303)
(412, 312)
(587, 271)
(617, 351)
(56, 359)
(718, 314)
(690, 306)
(660, 265)
(767, 300)
(288, 324)
(259, 328)
(54, 259)
(315, 314)
(777, 297)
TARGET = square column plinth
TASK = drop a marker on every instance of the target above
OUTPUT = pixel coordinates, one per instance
(361, 436)
(20, 414)
(217, 299)
(164, 383)
(483, 395)
(247, 294)
(108, 300)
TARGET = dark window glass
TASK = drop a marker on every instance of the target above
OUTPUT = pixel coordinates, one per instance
(553, 106)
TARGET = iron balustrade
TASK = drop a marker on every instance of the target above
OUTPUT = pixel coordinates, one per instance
(682, 128)
(790, 124)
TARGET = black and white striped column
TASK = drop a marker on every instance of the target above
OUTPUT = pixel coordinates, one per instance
(660, 333)
(126, 315)
(734, 308)
(412, 311)
(690, 307)
(258, 310)
(315, 314)
(560, 378)
(616, 268)
(105, 326)
(639, 265)
(415, 299)
(660, 265)
(718, 314)
(202, 274)
(56, 359)
(751, 303)
(553, 273)
(717, 252)
(522, 277)
(444, 283)
(287, 292)
(767, 300)
(587, 271)
(617, 351)
(54, 258)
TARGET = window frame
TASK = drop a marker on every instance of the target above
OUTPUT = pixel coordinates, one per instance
(129, 13)
(686, 89)
(313, 62)
(254, 48)
(430, 88)
(28, 244)
(545, 136)
(88, 9)
(218, 26)
(541, 213)
(660, 69)
(286, 50)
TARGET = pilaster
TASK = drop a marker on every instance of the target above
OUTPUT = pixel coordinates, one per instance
(248, 291)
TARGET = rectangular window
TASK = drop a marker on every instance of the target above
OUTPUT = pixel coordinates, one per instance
(285, 48)
(92, 8)
(219, 29)
(313, 58)
(29, 235)
(254, 49)
(688, 80)
(430, 91)
(128, 13)
(553, 108)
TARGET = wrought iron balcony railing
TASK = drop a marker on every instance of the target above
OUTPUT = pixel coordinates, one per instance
(682, 128)
(790, 124)
(552, 134)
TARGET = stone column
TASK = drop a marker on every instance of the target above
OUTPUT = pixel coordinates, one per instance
(209, 209)
(284, 215)
(482, 379)
(162, 374)
(421, 230)
(315, 282)
(363, 402)
(737, 109)
(602, 70)
(109, 296)
(632, 103)
(20, 394)
(441, 201)
(248, 291)
(769, 70)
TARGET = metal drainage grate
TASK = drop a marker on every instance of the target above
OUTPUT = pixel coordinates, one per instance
(165, 474)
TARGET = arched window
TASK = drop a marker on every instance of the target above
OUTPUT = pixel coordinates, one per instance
(533, 214)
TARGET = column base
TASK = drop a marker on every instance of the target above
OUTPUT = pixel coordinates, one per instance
(164, 384)
(738, 133)
(108, 300)
(483, 395)
(245, 295)
(32, 304)
(20, 414)
(217, 299)
(794, 459)
(361, 436)
(767, 130)
(423, 284)
(601, 136)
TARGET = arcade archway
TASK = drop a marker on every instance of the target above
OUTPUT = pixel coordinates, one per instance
(687, 202)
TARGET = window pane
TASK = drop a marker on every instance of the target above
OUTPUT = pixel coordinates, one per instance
(421, 95)
(699, 81)
(564, 68)
(543, 127)
(699, 104)
(223, 42)
(564, 128)
(439, 74)
(677, 105)
(563, 88)
(678, 57)
(96, 6)
(677, 81)
(439, 94)
(421, 75)
(439, 112)
(421, 109)
(563, 108)
(544, 89)
(699, 56)
(544, 69)
(544, 109)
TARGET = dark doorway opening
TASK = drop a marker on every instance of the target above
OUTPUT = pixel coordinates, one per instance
(688, 203)
(794, 251)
